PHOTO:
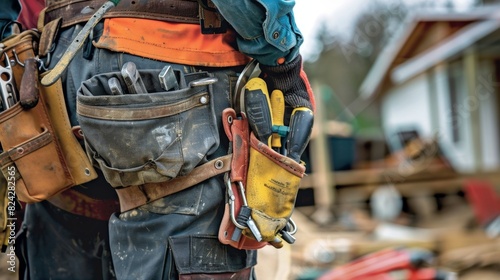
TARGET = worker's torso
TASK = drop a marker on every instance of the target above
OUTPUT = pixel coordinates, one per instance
(166, 30)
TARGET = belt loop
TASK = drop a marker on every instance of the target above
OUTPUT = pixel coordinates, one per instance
(41, 19)
(211, 21)
(48, 36)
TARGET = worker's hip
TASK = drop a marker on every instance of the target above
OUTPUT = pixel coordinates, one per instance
(175, 236)
(143, 137)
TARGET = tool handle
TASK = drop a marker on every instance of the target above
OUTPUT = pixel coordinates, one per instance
(114, 86)
(301, 122)
(242, 219)
(278, 113)
(258, 110)
(28, 90)
(132, 78)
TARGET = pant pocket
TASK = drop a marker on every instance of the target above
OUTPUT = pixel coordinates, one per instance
(147, 138)
(204, 257)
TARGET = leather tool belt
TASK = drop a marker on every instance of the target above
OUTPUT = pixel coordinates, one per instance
(35, 133)
(184, 11)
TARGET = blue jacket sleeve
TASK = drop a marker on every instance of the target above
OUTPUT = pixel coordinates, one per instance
(266, 28)
(9, 11)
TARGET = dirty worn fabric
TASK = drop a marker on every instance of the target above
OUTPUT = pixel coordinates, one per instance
(55, 244)
(176, 236)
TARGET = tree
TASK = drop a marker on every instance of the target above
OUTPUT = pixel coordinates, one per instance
(345, 60)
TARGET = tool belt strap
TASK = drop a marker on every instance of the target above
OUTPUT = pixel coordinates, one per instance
(135, 196)
(80, 204)
(78, 11)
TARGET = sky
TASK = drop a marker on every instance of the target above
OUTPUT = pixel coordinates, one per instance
(339, 16)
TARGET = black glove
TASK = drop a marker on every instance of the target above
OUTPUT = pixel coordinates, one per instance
(291, 80)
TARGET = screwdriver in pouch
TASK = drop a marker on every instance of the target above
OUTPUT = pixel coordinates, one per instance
(258, 109)
(278, 112)
(301, 123)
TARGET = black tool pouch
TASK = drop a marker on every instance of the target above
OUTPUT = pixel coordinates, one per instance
(147, 138)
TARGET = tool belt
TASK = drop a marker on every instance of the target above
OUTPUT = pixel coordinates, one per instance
(35, 133)
(263, 182)
(183, 11)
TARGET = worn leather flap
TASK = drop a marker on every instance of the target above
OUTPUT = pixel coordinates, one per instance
(79, 165)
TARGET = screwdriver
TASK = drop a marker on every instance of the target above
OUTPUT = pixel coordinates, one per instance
(278, 113)
(258, 109)
(301, 123)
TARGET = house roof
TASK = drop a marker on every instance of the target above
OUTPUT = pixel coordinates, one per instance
(424, 40)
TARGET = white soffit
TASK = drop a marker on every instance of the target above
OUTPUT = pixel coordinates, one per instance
(448, 48)
(381, 67)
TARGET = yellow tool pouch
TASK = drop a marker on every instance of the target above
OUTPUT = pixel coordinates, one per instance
(263, 183)
(262, 187)
(272, 184)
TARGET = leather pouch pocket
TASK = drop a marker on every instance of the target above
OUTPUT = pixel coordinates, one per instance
(30, 145)
(35, 133)
(149, 137)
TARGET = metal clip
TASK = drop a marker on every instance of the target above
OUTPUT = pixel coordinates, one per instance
(7, 86)
(16, 57)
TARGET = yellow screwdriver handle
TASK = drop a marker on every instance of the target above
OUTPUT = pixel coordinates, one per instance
(278, 113)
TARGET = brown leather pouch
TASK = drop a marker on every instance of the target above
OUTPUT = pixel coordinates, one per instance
(238, 133)
(35, 133)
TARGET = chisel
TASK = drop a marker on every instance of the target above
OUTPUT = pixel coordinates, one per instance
(133, 79)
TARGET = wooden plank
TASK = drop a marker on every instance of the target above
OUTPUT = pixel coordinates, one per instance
(361, 193)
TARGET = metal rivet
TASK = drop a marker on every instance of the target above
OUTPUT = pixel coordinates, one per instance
(219, 164)
(20, 150)
(87, 171)
(276, 35)
(203, 100)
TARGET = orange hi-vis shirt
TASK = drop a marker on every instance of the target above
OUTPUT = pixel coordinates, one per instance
(180, 43)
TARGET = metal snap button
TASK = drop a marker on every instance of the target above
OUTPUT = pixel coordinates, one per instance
(219, 164)
(203, 100)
